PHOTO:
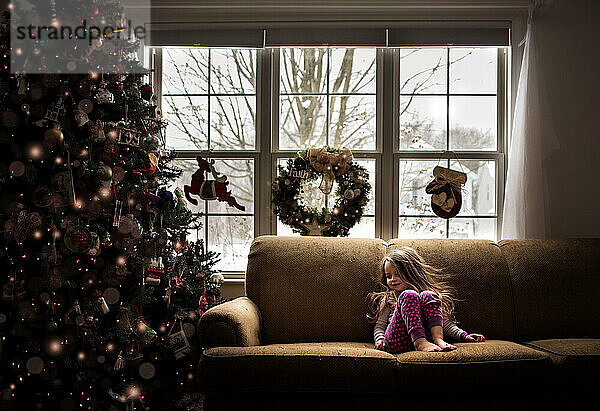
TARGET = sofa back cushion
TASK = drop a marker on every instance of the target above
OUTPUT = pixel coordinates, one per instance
(313, 289)
(556, 283)
(478, 272)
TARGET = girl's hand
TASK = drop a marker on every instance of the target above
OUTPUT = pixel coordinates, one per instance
(474, 338)
(379, 345)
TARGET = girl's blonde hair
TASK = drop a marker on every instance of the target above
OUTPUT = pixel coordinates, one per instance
(418, 275)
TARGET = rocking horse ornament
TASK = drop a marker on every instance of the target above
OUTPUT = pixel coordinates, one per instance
(209, 189)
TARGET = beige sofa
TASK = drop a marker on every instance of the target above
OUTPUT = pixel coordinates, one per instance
(299, 338)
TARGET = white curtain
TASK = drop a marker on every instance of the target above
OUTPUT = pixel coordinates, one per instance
(526, 204)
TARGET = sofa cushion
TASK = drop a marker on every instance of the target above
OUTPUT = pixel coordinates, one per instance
(478, 272)
(473, 365)
(555, 285)
(312, 289)
(339, 366)
(574, 358)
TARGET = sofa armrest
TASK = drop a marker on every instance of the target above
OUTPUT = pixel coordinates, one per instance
(236, 323)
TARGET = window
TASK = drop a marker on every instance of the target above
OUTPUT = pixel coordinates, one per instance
(209, 100)
(449, 101)
(401, 111)
(327, 96)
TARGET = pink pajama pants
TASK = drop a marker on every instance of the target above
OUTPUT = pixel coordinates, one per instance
(413, 317)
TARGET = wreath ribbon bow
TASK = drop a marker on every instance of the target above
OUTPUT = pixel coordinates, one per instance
(330, 164)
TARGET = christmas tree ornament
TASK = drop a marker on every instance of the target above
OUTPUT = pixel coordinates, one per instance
(154, 112)
(97, 130)
(78, 239)
(216, 280)
(8, 291)
(445, 190)
(42, 197)
(86, 106)
(120, 362)
(94, 249)
(145, 332)
(16, 168)
(73, 313)
(155, 271)
(103, 172)
(202, 304)
(153, 164)
(178, 342)
(81, 118)
(55, 112)
(130, 226)
(63, 190)
(209, 189)
(96, 43)
(103, 96)
(128, 136)
(22, 84)
(101, 305)
(133, 92)
(117, 212)
(54, 136)
(132, 355)
(27, 224)
(146, 92)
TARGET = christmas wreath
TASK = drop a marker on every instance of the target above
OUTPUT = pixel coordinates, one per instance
(331, 165)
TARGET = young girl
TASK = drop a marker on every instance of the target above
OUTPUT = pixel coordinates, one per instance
(416, 308)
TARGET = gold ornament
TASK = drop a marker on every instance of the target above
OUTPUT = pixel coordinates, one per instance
(54, 136)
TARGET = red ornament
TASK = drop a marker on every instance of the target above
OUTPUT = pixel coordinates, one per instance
(202, 304)
(146, 92)
(210, 189)
(93, 9)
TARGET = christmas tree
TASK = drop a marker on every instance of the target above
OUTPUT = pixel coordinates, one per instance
(101, 288)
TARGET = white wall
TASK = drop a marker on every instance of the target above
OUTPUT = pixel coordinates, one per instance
(568, 40)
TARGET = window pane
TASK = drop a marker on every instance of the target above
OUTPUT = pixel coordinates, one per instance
(240, 176)
(232, 121)
(479, 192)
(365, 228)
(473, 70)
(358, 65)
(302, 122)
(303, 70)
(353, 122)
(422, 123)
(233, 71)
(421, 227)
(414, 177)
(185, 71)
(189, 167)
(473, 123)
(285, 230)
(369, 165)
(481, 228)
(231, 237)
(186, 122)
(423, 71)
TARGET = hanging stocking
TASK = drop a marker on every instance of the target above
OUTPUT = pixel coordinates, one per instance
(445, 190)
